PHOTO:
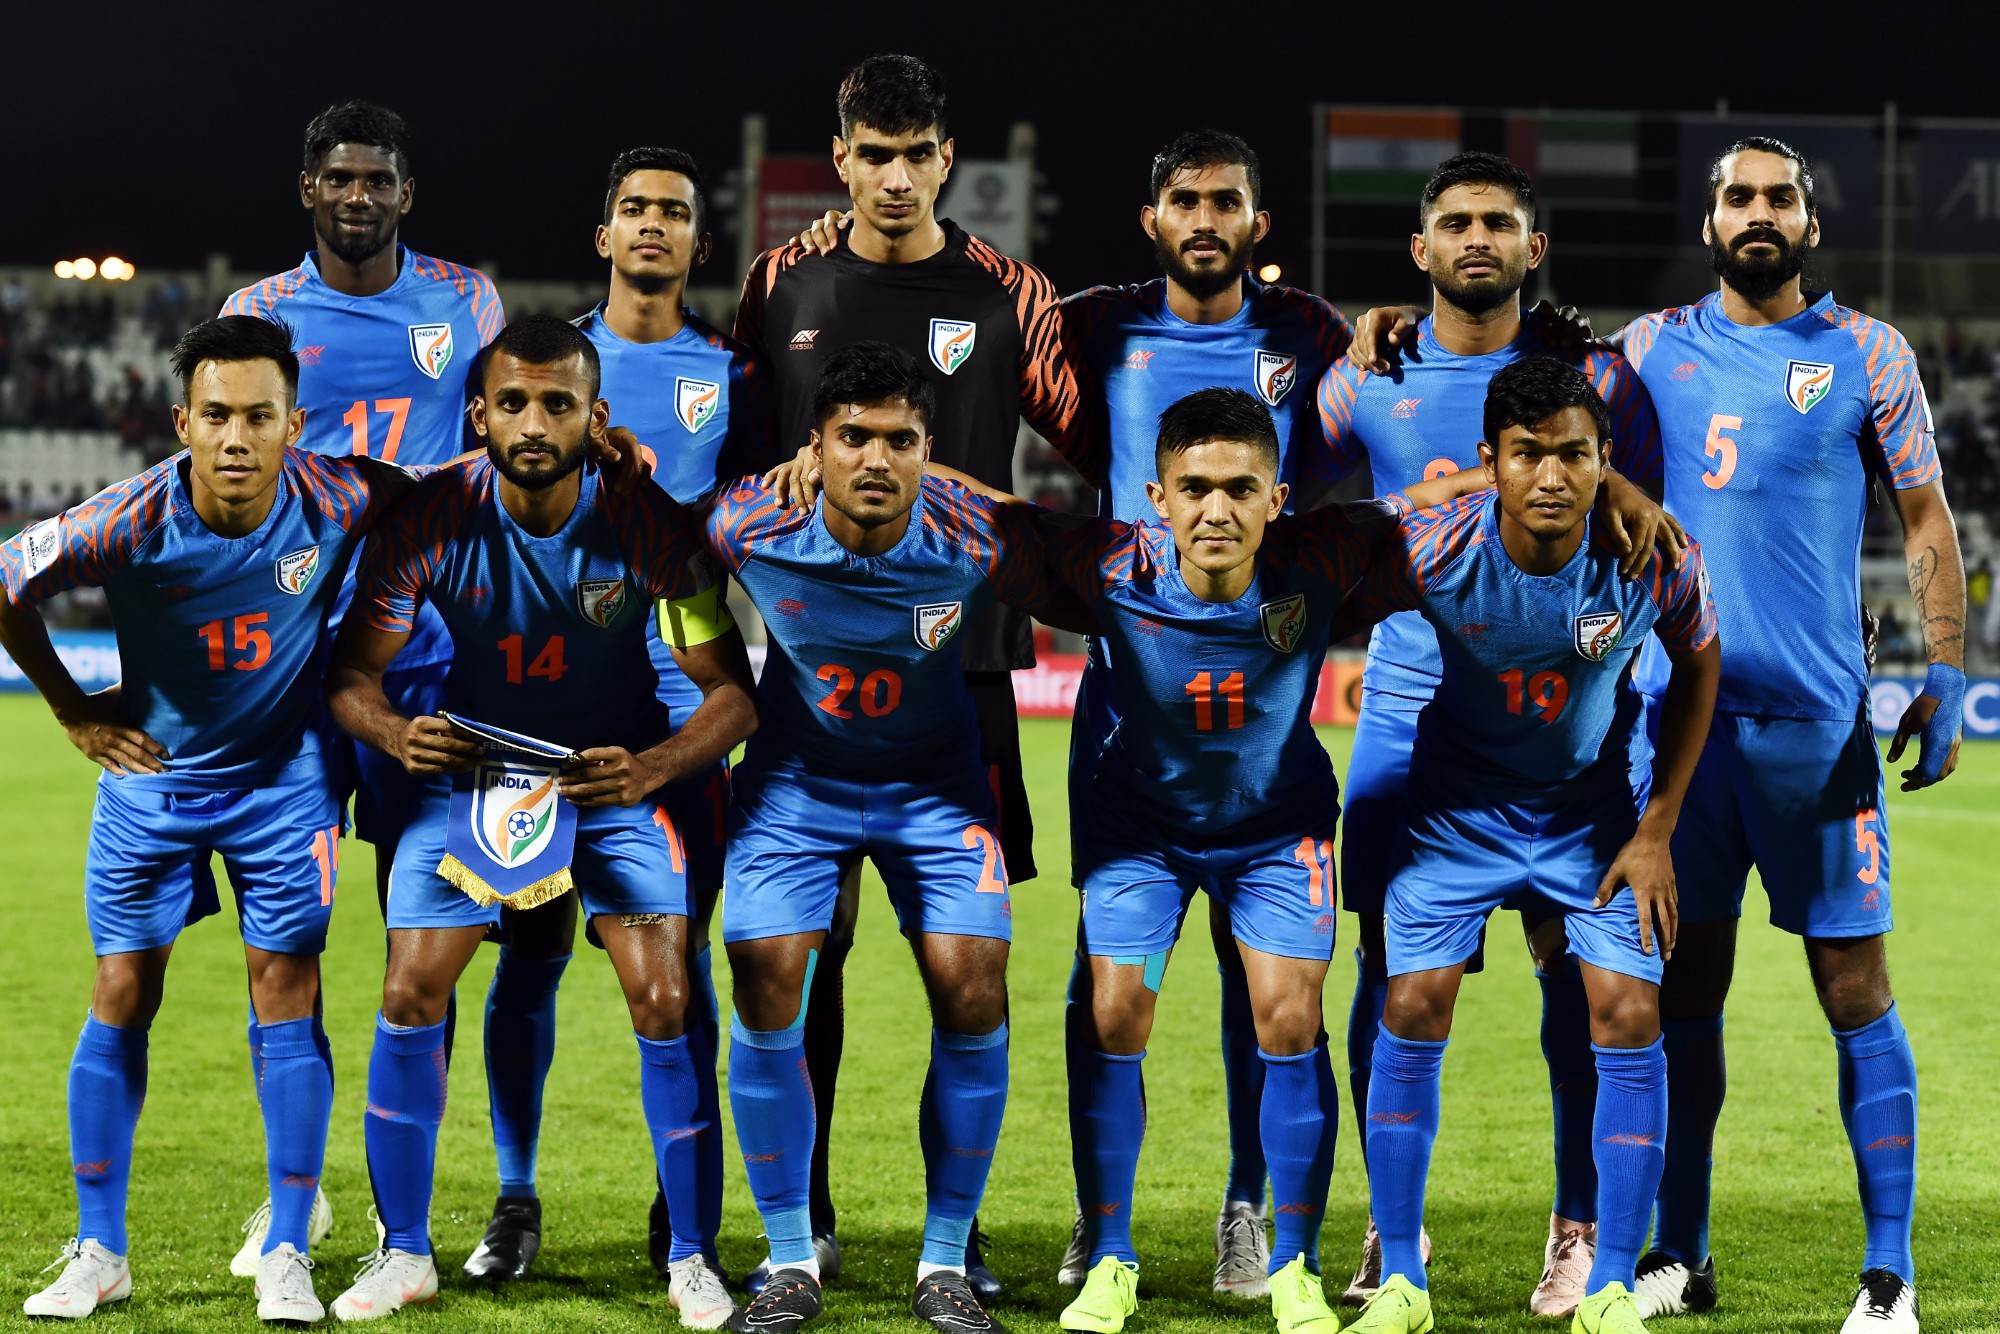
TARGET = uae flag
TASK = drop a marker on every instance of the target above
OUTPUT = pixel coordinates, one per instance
(1384, 154)
(1582, 157)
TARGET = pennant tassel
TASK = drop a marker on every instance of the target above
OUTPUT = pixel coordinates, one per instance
(468, 881)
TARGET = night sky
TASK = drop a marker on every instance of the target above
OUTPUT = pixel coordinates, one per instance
(165, 136)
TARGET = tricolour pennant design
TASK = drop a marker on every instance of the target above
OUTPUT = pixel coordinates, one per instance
(951, 343)
(1806, 383)
(1598, 632)
(430, 348)
(1284, 622)
(937, 623)
(509, 836)
(600, 600)
(296, 571)
(695, 401)
(1275, 375)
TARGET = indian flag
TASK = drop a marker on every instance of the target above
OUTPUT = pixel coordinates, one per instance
(1379, 153)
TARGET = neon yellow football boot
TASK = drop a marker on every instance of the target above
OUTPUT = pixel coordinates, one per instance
(1110, 1294)
(1398, 1307)
(1298, 1301)
(1609, 1310)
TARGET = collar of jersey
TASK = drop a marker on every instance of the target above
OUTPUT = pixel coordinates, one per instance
(183, 498)
(832, 544)
(594, 319)
(1236, 321)
(954, 246)
(1489, 527)
(1176, 587)
(1525, 344)
(586, 499)
(1817, 305)
(405, 272)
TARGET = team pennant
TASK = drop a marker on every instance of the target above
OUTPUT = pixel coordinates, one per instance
(510, 835)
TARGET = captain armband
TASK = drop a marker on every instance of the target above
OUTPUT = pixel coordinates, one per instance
(697, 619)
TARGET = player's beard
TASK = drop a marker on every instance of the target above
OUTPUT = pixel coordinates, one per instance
(358, 250)
(1201, 284)
(1757, 279)
(1478, 298)
(568, 459)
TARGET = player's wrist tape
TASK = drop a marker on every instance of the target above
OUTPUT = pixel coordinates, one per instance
(1945, 684)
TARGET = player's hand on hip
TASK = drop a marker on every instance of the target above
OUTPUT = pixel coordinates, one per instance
(1647, 866)
(1937, 718)
(427, 746)
(821, 237)
(1381, 335)
(607, 776)
(1638, 525)
(624, 462)
(796, 482)
(101, 731)
(1562, 329)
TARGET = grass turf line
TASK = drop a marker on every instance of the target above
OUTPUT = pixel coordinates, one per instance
(1787, 1227)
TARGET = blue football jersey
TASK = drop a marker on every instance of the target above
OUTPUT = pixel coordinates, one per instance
(691, 400)
(1534, 690)
(1424, 421)
(863, 676)
(548, 634)
(1214, 700)
(385, 375)
(1134, 358)
(219, 638)
(1774, 435)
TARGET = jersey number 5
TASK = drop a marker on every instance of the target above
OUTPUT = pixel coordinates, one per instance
(1722, 449)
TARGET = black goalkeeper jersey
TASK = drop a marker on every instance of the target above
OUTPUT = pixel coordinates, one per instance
(985, 328)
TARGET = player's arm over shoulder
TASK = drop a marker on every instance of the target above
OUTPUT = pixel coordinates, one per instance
(742, 514)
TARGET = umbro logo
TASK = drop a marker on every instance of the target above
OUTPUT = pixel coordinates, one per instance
(1473, 630)
(309, 356)
(1405, 407)
(1146, 625)
(802, 341)
(1685, 371)
(1139, 361)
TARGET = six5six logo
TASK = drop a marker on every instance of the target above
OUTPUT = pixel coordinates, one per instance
(951, 343)
(696, 401)
(1276, 374)
(430, 348)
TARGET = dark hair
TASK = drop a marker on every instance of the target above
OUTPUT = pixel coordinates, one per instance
(1476, 169)
(891, 93)
(872, 373)
(543, 340)
(236, 338)
(1216, 414)
(1763, 143)
(1530, 392)
(357, 123)
(1207, 148)
(656, 159)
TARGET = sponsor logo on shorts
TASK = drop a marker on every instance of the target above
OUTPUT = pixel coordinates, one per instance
(296, 571)
(1806, 383)
(695, 401)
(951, 343)
(1323, 924)
(1284, 622)
(937, 623)
(1276, 374)
(1597, 633)
(430, 348)
(600, 600)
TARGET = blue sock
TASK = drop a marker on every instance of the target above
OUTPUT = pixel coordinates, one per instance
(667, 1091)
(296, 1093)
(1364, 1020)
(1630, 1131)
(968, 1083)
(406, 1096)
(1572, 1088)
(107, 1087)
(703, 1028)
(1878, 1105)
(520, 1048)
(1243, 1078)
(1107, 1124)
(256, 1056)
(1299, 1124)
(1697, 1078)
(771, 1099)
(1402, 1127)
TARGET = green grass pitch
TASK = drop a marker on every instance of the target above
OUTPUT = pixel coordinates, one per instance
(1787, 1229)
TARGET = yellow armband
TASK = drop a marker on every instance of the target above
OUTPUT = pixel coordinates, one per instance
(686, 622)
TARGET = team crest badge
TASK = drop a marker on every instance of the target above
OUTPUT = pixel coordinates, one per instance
(951, 343)
(1597, 633)
(600, 600)
(1284, 622)
(1275, 375)
(40, 545)
(937, 623)
(695, 402)
(296, 571)
(1806, 383)
(513, 812)
(430, 348)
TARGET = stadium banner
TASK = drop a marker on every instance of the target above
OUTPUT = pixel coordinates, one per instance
(1958, 188)
(90, 655)
(1888, 696)
(992, 199)
(1846, 157)
(792, 193)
